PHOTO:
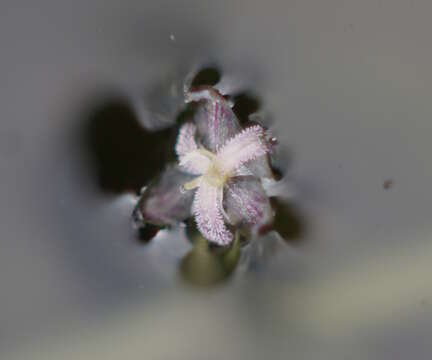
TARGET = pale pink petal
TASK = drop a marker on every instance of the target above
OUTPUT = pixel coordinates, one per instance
(195, 162)
(208, 215)
(259, 167)
(191, 159)
(244, 147)
(214, 118)
(186, 139)
(246, 203)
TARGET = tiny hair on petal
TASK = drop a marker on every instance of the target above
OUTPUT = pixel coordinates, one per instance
(245, 146)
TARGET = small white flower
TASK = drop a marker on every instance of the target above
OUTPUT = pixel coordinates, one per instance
(220, 170)
(215, 169)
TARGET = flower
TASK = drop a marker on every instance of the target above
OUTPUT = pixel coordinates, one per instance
(218, 178)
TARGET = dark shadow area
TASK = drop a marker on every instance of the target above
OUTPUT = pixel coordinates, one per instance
(277, 172)
(186, 114)
(245, 104)
(206, 76)
(288, 222)
(146, 233)
(191, 230)
(123, 153)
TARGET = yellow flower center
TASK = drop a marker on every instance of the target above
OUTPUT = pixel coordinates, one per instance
(212, 176)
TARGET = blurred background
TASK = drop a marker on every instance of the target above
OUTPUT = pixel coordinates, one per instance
(347, 86)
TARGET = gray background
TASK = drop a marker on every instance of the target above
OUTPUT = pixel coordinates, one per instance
(348, 84)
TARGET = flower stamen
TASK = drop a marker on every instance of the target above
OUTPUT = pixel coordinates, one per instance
(215, 177)
(193, 184)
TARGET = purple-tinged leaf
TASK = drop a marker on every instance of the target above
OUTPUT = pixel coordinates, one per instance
(215, 120)
(289, 222)
(163, 202)
(246, 203)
